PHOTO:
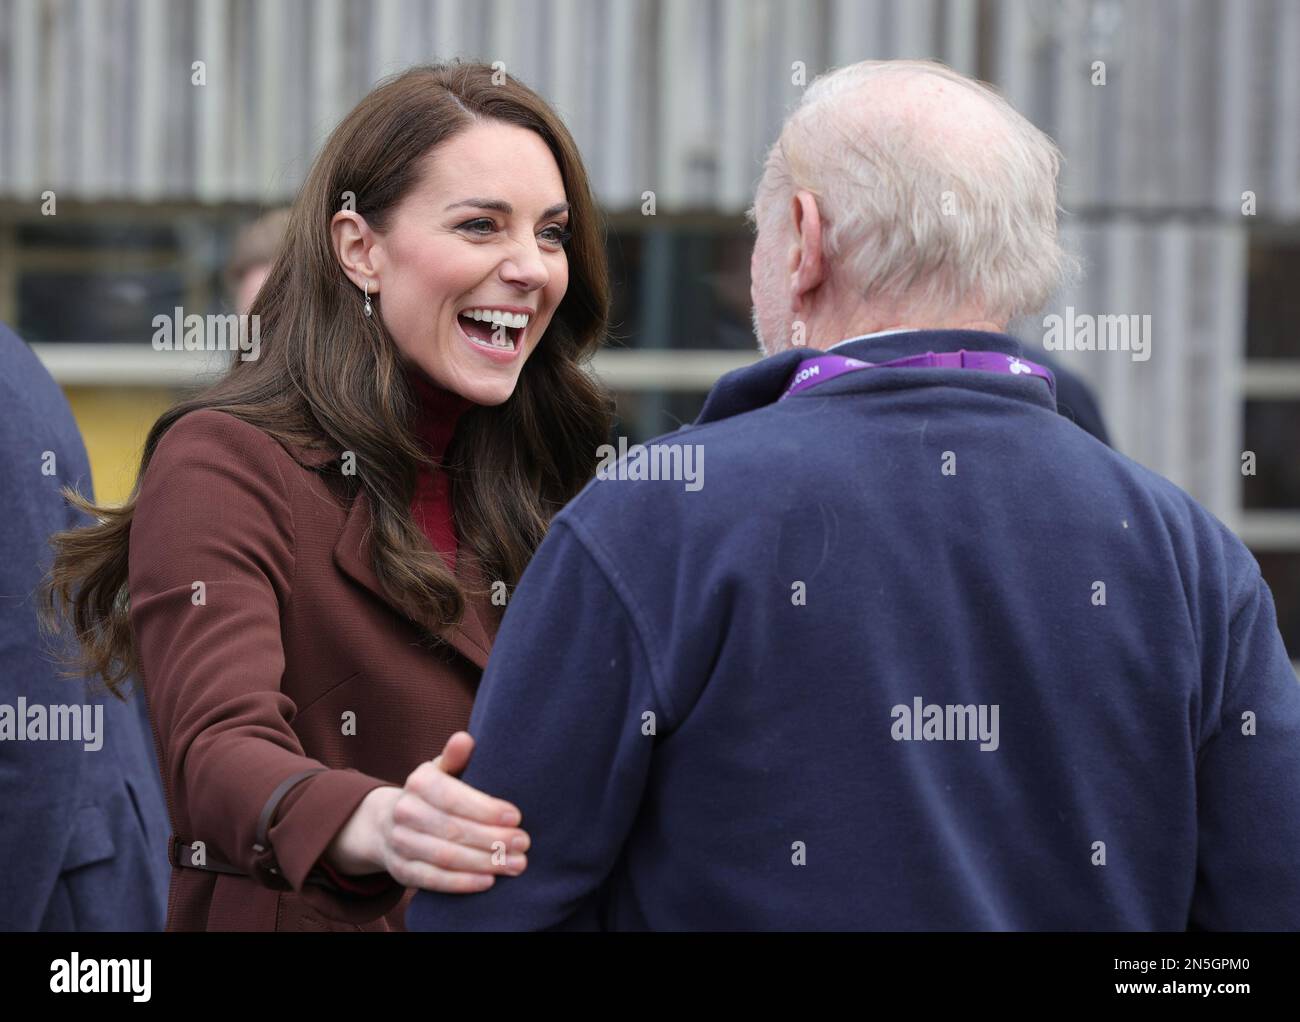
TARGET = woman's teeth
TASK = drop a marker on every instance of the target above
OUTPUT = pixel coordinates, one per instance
(498, 328)
(514, 320)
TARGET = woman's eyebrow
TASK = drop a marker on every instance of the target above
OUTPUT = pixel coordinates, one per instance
(501, 206)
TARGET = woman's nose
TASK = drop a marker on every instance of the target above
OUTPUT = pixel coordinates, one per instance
(525, 268)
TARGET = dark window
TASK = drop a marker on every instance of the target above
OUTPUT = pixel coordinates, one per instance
(1273, 434)
(1281, 570)
(1273, 301)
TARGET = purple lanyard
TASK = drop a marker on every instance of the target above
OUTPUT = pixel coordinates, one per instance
(813, 371)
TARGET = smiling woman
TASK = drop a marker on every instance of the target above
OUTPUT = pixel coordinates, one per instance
(417, 413)
(472, 266)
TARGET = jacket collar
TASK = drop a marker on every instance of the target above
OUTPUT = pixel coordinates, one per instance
(470, 637)
(754, 386)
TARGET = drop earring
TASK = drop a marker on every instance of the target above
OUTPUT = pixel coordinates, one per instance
(368, 309)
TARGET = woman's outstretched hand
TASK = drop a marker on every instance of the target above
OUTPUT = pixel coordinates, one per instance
(436, 832)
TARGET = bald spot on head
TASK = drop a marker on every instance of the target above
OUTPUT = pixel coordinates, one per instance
(924, 109)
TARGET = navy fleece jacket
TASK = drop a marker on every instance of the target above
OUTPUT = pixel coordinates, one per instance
(918, 654)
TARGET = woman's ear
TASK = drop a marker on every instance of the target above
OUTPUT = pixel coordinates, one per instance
(356, 248)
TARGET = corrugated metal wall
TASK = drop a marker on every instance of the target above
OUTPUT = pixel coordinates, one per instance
(682, 97)
(679, 95)
(1179, 412)
(1202, 104)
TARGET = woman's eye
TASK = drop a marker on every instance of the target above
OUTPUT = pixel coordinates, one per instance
(480, 226)
(556, 234)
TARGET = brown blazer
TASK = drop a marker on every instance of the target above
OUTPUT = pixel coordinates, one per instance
(282, 684)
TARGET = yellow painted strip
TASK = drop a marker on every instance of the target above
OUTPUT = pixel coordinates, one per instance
(114, 422)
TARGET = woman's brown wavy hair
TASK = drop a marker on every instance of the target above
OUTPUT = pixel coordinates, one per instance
(329, 376)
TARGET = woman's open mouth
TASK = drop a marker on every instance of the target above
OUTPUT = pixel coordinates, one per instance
(494, 329)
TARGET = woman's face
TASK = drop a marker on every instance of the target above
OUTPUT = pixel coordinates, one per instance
(473, 265)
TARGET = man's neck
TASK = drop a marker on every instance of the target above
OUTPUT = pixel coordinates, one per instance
(874, 333)
(879, 329)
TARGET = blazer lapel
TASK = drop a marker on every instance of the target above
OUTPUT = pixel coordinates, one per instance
(470, 637)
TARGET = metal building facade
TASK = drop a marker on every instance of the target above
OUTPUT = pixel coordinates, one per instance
(681, 97)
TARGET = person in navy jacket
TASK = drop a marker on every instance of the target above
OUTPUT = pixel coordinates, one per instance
(83, 831)
(893, 647)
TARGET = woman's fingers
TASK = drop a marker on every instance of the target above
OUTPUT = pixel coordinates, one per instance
(412, 811)
(456, 798)
(415, 846)
(448, 836)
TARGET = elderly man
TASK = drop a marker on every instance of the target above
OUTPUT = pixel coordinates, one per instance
(918, 653)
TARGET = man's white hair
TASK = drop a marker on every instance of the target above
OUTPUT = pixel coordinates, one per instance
(926, 223)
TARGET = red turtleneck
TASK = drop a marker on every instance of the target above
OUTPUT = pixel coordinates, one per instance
(440, 410)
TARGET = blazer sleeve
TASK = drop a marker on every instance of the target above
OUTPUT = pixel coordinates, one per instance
(211, 566)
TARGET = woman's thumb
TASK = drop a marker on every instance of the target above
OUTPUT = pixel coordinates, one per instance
(455, 754)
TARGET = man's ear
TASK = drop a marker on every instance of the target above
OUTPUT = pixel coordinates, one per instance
(357, 249)
(807, 265)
